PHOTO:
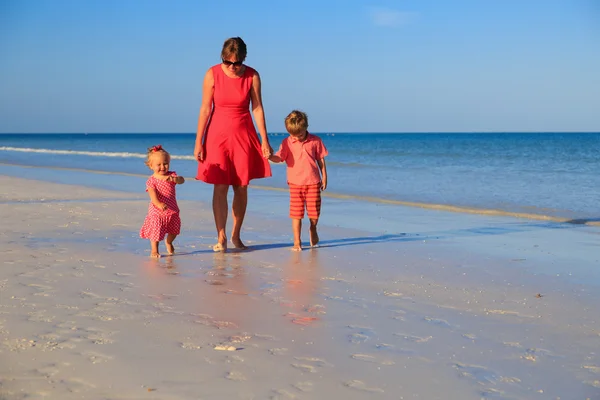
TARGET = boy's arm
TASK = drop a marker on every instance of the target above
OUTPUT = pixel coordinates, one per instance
(323, 168)
(275, 158)
(154, 199)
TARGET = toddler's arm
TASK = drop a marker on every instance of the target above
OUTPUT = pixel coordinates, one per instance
(275, 158)
(154, 199)
(178, 180)
(323, 168)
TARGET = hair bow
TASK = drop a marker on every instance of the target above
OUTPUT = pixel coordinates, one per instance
(158, 147)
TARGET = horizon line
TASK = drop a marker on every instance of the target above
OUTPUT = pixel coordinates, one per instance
(285, 133)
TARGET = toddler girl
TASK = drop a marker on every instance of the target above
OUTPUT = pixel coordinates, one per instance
(163, 212)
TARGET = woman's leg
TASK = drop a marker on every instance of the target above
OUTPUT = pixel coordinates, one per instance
(220, 213)
(240, 202)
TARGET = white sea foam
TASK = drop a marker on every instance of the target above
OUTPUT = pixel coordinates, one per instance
(87, 153)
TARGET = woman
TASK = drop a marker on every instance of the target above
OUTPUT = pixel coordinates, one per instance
(227, 146)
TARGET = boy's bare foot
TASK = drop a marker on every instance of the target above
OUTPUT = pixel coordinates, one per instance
(314, 236)
(170, 248)
(155, 255)
(297, 247)
(220, 247)
(238, 244)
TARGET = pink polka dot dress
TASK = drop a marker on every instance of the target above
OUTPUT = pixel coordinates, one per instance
(159, 223)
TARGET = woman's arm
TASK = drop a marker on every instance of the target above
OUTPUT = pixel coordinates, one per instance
(208, 89)
(259, 114)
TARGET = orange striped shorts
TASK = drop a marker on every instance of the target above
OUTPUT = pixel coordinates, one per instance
(305, 196)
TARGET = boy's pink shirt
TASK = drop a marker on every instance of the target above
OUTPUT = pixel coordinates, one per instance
(301, 159)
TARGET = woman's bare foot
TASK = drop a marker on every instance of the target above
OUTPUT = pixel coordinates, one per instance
(170, 248)
(297, 247)
(155, 255)
(220, 248)
(238, 244)
(314, 236)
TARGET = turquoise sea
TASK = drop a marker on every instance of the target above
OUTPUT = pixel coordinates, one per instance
(540, 174)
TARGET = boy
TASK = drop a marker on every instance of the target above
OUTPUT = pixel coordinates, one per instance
(304, 155)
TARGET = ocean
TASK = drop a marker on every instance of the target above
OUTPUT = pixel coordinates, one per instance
(537, 175)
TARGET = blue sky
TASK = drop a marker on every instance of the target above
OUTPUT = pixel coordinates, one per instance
(353, 66)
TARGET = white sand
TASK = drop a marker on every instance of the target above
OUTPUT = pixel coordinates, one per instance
(85, 314)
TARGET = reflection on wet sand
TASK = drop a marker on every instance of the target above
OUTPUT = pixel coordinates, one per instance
(225, 293)
(301, 278)
(156, 273)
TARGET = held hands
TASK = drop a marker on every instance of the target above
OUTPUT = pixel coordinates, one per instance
(267, 150)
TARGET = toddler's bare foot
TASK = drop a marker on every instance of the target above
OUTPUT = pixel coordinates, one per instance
(238, 244)
(170, 248)
(155, 255)
(314, 236)
(297, 247)
(220, 247)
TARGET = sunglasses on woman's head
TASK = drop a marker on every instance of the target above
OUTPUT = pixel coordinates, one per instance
(234, 63)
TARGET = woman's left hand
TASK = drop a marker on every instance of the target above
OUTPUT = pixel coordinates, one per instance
(267, 150)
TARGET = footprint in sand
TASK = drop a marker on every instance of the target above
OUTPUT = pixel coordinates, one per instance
(41, 289)
(392, 349)
(90, 294)
(97, 358)
(305, 368)
(310, 364)
(317, 361)
(438, 322)
(360, 385)
(594, 383)
(234, 359)
(235, 376)
(278, 351)
(304, 386)
(533, 354)
(392, 294)
(239, 338)
(415, 339)
(361, 335)
(265, 337)
(371, 359)
(477, 373)
(190, 346)
(281, 394)
(224, 324)
(592, 368)
(39, 316)
(48, 371)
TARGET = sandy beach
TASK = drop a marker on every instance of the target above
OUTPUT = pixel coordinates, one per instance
(447, 306)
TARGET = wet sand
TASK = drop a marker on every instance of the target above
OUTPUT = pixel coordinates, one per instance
(449, 308)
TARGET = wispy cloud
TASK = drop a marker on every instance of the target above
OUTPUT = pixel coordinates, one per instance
(389, 17)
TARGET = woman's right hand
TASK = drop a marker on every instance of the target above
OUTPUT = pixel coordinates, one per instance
(199, 153)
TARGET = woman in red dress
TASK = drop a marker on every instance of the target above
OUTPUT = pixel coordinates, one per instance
(227, 146)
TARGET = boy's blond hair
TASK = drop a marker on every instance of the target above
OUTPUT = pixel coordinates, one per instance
(296, 122)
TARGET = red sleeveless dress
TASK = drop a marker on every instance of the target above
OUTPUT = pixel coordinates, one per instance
(233, 152)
